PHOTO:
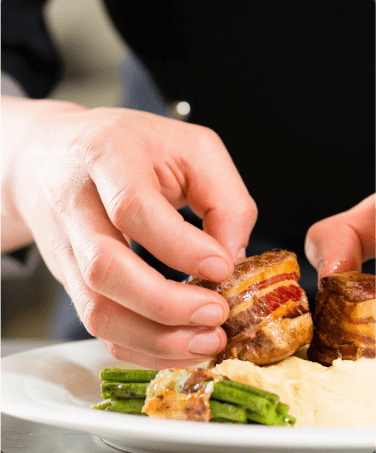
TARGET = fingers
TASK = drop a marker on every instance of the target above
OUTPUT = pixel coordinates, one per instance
(147, 217)
(141, 178)
(135, 206)
(146, 319)
(126, 330)
(343, 242)
(130, 331)
(148, 361)
(110, 268)
(216, 193)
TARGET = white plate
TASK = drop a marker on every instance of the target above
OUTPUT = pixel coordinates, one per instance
(55, 385)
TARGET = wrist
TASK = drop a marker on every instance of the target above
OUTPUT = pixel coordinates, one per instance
(27, 130)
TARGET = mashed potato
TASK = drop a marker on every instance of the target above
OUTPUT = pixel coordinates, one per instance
(340, 395)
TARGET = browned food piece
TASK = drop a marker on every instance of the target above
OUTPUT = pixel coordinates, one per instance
(269, 313)
(181, 394)
(344, 318)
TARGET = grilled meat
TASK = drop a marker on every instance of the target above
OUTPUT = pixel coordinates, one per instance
(344, 318)
(269, 313)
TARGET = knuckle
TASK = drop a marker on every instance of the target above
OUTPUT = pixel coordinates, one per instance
(243, 207)
(162, 314)
(105, 128)
(164, 346)
(124, 207)
(94, 146)
(115, 350)
(60, 248)
(207, 138)
(59, 202)
(66, 188)
(248, 207)
(91, 152)
(95, 268)
(95, 318)
(59, 192)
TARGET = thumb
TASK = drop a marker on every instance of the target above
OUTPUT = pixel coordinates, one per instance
(344, 241)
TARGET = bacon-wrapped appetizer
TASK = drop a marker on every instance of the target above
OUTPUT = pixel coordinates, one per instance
(344, 318)
(269, 314)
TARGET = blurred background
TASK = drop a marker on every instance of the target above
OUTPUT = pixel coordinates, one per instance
(91, 49)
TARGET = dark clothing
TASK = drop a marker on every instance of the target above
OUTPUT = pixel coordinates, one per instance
(27, 52)
(289, 87)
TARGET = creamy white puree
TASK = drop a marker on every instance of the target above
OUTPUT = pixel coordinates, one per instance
(340, 395)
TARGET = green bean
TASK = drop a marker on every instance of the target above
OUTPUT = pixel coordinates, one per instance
(227, 412)
(124, 389)
(272, 397)
(102, 405)
(120, 375)
(242, 398)
(272, 418)
(282, 409)
(128, 406)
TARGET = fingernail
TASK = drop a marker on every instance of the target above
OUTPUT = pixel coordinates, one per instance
(208, 315)
(214, 268)
(205, 342)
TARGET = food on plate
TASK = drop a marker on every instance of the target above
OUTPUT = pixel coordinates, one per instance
(269, 314)
(189, 394)
(344, 318)
(340, 395)
(270, 339)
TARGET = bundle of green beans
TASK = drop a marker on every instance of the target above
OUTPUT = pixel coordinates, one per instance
(230, 401)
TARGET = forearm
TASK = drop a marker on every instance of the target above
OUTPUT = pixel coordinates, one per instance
(14, 231)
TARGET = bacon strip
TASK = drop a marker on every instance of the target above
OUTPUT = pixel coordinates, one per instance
(269, 314)
(256, 287)
(279, 296)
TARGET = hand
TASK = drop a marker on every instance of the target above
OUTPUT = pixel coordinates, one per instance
(343, 242)
(84, 183)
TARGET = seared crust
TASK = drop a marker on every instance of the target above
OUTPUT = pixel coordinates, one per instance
(271, 342)
(344, 318)
(269, 314)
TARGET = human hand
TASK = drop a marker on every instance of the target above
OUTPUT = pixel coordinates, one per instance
(84, 183)
(344, 241)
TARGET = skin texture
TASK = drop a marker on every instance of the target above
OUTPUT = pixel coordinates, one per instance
(83, 183)
(344, 241)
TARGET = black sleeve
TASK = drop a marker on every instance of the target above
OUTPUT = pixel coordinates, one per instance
(157, 35)
(28, 54)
